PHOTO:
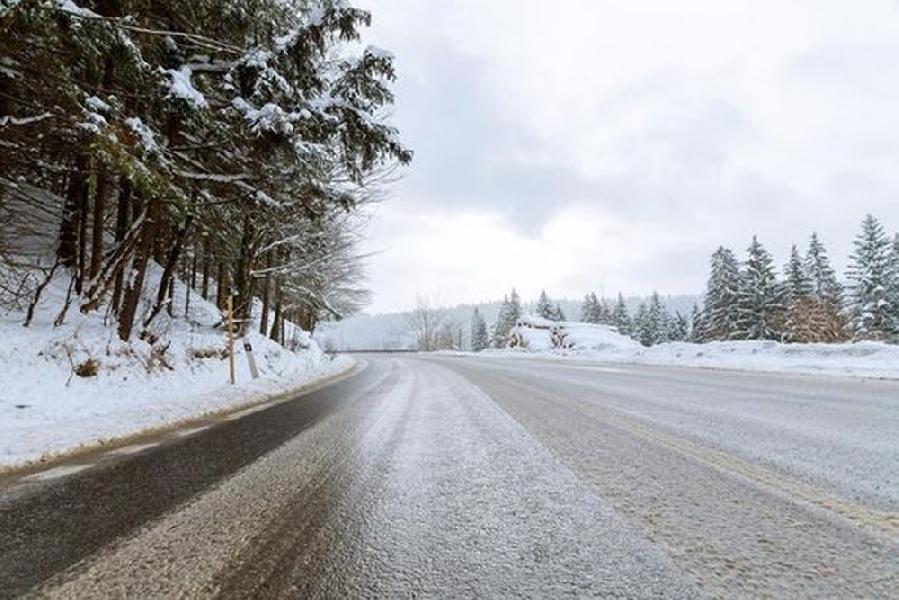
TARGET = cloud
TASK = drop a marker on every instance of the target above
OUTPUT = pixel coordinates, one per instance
(616, 147)
(468, 152)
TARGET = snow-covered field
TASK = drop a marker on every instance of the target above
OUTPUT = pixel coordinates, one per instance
(47, 409)
(602, 343)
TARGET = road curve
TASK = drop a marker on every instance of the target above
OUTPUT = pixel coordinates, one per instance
(460, 477)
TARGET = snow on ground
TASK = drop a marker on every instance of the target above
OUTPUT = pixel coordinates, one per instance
(46, 409)
(602, 343)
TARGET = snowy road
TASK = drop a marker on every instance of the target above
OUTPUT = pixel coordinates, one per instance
(443, 476)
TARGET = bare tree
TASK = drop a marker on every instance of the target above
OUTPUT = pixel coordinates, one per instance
(426, 320)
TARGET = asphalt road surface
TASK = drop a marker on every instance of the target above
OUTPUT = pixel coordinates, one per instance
(460, 477)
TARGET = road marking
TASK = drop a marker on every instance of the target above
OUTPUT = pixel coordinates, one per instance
(190, 432)
(133, 449)
(56, 472)
(248, 411)
(880, 521)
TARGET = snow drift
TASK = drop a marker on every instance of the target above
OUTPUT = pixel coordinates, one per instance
(78, 384)
(535, 333)
(537, 337)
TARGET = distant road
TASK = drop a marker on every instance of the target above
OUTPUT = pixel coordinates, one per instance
(463, 477)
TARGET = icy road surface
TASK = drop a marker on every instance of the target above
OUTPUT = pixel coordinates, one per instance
(465, 477)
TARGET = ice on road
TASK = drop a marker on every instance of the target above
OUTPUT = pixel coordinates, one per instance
(463, 477)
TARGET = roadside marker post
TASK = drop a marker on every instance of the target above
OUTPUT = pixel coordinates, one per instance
(252, 361)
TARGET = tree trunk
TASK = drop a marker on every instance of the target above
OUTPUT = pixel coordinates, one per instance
(99, 214)
(121, 228)
(83, 209)
(243, 283)
(206, 264)
(165, 293)
(266, 287)
(276, 320)
(191, 284)
(221, 288)
(67, 251)
(135, 285)
(170, 305)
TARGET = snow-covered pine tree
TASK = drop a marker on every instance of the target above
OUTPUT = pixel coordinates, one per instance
(557, 315)
(697, 325)
(872, 313)
(514, 307)
(678, 328)
(603, 312)
(589, 308)
(503, 324)
(799, 324)
(480, 339)
(720, 310)
(760, 304)
(653, 323)
(544, 306)
(659, 319)
(642, 327)
(621, 320)
(894, 294)
(238, 139)
(509, 313)
(829, 322)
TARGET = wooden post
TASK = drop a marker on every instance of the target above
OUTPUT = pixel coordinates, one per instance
(231, 335)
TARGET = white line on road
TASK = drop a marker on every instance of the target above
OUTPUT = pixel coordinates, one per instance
(190, 432)
(56, 472)
(133, 449)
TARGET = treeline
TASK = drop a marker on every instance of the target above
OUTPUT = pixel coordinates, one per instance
(748, 300)
(232, 142)
(808, 303)
(651, 324)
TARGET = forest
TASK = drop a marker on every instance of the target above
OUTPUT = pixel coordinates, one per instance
(748, 300)
(235, 144)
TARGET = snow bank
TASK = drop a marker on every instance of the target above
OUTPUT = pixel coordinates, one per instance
(46, 408)
(538, 337)
(861, 359)
(538, 334)
(586, 336)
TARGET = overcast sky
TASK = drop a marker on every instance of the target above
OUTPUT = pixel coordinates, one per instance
(612, 145)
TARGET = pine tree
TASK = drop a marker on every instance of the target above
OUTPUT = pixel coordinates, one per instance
(590, 309)
(720, 310)
(799, 306)
(872, 311)
(557, 315)
(659, 320)
(653, 324)
(480, 339)
(760, 301)
(620, 318)
(509, 314)
(642, 327)
(503, 324)
(829, 322)
(894, 293)
(514, 307)
(679, 328)
(603, 312)
(544, 307)
(697, 325)
(243, 133)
